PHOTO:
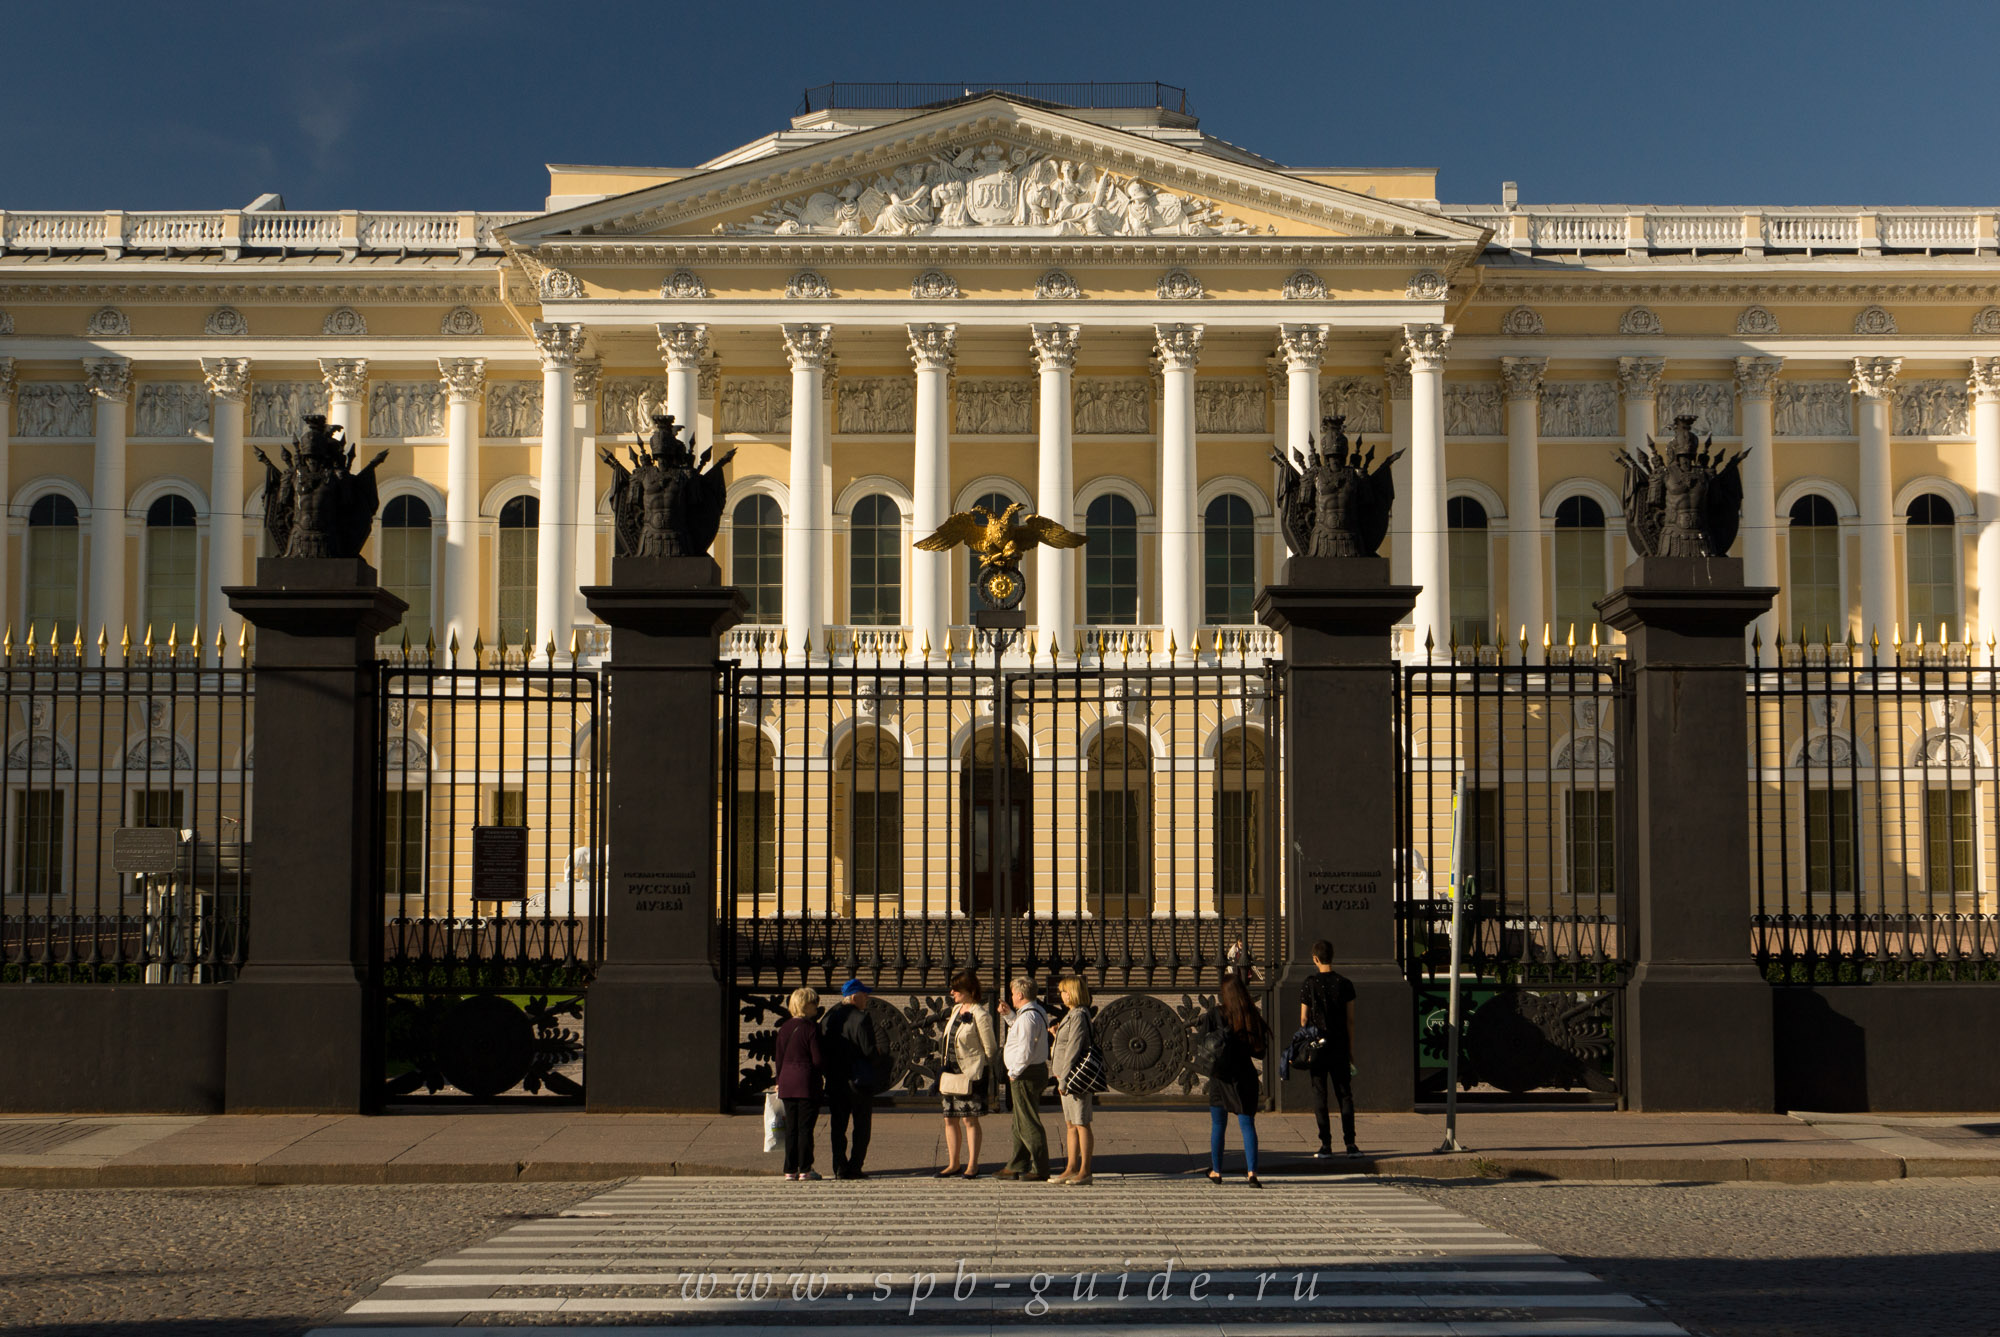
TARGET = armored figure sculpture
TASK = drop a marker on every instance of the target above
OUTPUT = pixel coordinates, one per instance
(1685, 501)
(1336, 502)
(318, 505)
(669, 503)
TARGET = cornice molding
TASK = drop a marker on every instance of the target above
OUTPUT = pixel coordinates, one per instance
(1506, 292)
(301, 292)
(590, 252)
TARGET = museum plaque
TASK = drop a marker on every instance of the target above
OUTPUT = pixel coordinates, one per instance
(499, 863)
(145, 849)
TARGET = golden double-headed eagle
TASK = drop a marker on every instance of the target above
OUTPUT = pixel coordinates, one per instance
(999, 542)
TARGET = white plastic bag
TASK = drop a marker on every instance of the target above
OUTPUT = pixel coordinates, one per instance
(774, 1121)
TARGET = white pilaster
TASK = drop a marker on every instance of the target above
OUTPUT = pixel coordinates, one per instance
(346, 391)
(463, 378)
(1055, 485)
(555, 542)
(1874, 384)
(1302, 347)
(1396, 369)
(931, 349)
(583, 425)
(111, 382)
(1522, 378)
(229, 388)
(683, 346)
(1179, 349)
(1756, 383)
(809, 347)
(6, 490)
(1426, 345)
(1986, 461)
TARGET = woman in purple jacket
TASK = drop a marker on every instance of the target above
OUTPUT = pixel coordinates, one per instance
(800, 1068)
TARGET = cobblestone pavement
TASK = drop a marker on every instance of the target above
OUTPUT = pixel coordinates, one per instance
(1731, 1260)
(229, 1262)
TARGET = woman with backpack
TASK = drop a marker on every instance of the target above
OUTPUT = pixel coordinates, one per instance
(1233, 1037)
(1074, 1040)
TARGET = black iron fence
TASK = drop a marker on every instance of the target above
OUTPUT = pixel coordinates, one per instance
(124, 813)
(1872, 783)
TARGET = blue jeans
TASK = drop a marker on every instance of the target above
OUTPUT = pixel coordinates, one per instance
(1218, 1119)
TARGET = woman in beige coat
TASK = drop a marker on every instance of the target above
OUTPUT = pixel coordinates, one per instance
(971, 1050)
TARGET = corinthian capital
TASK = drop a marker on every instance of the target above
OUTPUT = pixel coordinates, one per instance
(1426, 345)
(1757, 377)
(808, 346)
(1985, 380)
(1302, 346)
(1055, 345)
(589, 371)
(1396, 370)
(1178, 346)
(561, 343)
(683, 345)
(6, 380)
(1639, 377)
(463, 377)
(1522, 376)
(1875, 377)
(346, 377)
(932, 347)
(110, 377)
(227, 377)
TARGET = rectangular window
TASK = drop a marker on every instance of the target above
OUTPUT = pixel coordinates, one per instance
(1111, 577)
(1948, 850)
(1933, 564)
(171, 580)
(1237, 836)
(1579, 582)
(1818, 610)
(406, 573)
(877, 845)
(403, 843)
(1471, 592)
(1593, 836)
(1116, 850)
(52, 580)
(1482, 844)
(1830, 840)
(159, 807)
(510, 807)
(38, 842)
(756, 844)
(517, 584)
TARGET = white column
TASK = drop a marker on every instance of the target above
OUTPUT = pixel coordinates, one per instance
(1639, 382)
(1756, 383)
(555, 540)
(583, 449)
(228, 387)
(1428, 565)
(464, 378)
(1396, 368)
(1055, 486)
(684, 346)
(1302, 347)
(346, 391)
(931, 349)
(6, 436)
(111, 382)
(809, 347)
(1874, 384)
(1986, 461)
(1179, 348)
(1522, 378)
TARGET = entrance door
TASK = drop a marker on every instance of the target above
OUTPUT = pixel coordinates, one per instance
(978, 881)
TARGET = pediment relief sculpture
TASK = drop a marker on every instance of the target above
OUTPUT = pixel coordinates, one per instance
(993, 188)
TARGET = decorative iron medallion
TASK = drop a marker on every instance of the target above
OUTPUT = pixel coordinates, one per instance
(1145, 1044)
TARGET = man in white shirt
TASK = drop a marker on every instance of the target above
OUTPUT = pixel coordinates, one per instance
(1026, 1055)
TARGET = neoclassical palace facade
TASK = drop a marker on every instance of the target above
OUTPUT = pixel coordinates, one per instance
(891, 313)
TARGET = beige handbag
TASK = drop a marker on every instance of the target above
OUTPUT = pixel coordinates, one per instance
(955, 1083)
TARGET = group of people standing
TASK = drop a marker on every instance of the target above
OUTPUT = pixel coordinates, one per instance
(1012, 1058)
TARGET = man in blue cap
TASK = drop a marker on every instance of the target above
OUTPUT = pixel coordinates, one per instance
(853, 1072)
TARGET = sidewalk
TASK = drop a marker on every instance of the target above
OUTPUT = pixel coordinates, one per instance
(569, 1145)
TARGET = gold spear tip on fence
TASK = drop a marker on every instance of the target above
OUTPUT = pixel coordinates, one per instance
(173, 638)
(925, 648)
(220, 642)
(1430, 644)
(406, 640)
(1052, 647)
(1896, 635)
(1546, 639)
(1172, 649)
(575, 642)
(452, 649)
(1593, 635)
(1572, 635)
(550, 648)
(781, 640)
(478, 646)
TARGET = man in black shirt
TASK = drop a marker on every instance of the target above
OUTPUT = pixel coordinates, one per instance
(1327, 1001)
(853, 1061)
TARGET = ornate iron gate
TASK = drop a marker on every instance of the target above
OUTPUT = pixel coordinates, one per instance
(1526, 759)
(482, 979)
(902, 822)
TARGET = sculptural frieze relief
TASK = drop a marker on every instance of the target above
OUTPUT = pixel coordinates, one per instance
(668, 503)
(629, 403)
(514, 408)
(1712, 404)
(170, 409)
(1334, 499)
(1684, 499)
(878, 404)
(1229, 404)
(993, 187)
(756, 404)
(1579, 408)
(277, 407)
(1932, 408)
(318, 504)
(1111, 406)
(1473, 409)
(1355, 400)
(406, 408)
(55, 409)
(996, 406)
(1813, 408)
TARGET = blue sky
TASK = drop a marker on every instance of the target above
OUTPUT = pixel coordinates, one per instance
(451, 104)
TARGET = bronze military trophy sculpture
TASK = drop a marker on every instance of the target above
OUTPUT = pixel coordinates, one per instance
(1000, 542)
(1336, 502)
(318, 505)
(1685, 501)
(669, 503)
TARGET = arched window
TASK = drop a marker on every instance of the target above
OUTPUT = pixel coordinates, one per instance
(1579, 540)
(757, 557)
(173, 583)
(996, 503)
(1229, 561)
(1817, 604)
(875, 562)
(1471, 587)
(53, 542)
(979, 872)
(519, 521)
(1239, 831)
(1111, 562)
(406, 566)
(869, 785)
(1931, 554)
(1118, 825)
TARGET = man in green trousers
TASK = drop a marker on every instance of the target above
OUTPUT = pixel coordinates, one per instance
(1026, 1054)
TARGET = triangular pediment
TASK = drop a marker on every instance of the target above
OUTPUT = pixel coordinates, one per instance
(996, 169)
